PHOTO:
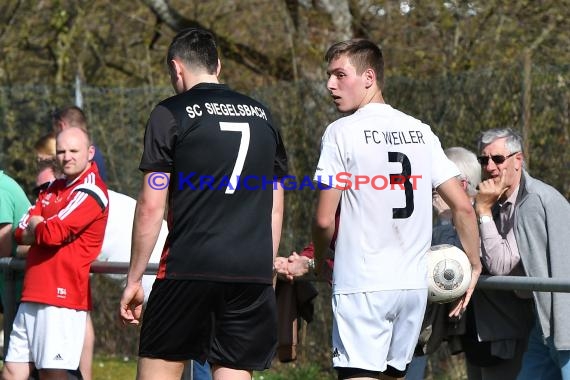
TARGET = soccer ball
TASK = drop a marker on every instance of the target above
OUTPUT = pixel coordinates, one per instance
(449, 273)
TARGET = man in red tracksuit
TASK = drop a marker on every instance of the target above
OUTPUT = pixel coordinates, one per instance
(65, 229)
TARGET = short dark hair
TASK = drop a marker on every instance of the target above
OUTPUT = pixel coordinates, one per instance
(51, 164)
(196, 47)
(72, 115)
(362, 53)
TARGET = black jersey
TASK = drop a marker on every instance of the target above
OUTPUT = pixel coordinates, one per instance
(222, 151)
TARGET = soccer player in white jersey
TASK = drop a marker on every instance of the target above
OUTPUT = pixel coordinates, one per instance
(383, 165)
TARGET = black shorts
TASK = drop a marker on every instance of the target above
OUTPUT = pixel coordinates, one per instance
(230, 324)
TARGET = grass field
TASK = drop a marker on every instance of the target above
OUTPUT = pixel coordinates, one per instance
(112, 368)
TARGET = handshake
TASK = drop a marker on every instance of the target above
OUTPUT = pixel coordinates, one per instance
(295, 266)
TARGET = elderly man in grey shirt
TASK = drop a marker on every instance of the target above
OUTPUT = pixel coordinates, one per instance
(513, 210)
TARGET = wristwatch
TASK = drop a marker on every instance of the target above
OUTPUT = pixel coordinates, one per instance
(485, 219)
(311, 265)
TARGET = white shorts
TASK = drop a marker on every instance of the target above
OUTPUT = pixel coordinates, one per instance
(375, 329)
(48, 336)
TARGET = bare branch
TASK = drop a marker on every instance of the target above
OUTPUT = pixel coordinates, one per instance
(240, 53)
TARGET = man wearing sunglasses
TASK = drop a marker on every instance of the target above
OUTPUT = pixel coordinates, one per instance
(523, 224)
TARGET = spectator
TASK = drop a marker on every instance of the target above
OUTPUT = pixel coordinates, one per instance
(498, 321)
(73, 116)
(65, 229)
(524, 231)
(117, 243)
(466, 162)
(213, 298)
(45, 148)
(48, 171)
(379, 280)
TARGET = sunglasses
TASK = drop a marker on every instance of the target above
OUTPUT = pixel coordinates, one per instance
(497, 158)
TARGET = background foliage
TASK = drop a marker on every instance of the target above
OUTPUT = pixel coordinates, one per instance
(460, 66)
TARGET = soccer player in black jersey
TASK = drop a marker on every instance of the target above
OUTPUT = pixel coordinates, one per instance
(213, 155)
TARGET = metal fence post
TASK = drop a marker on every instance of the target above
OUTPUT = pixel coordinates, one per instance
(188, 373)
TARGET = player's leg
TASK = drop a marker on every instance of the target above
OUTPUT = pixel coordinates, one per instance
(86, 361)
(18, 361)
(48, 336)
(219, 373)
(17, 371)
(177, 326)
(246, 331)
(58, 340)
(159, 369)
(362, 331)
(406, 330)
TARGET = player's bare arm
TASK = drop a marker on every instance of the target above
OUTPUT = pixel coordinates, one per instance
(276, 225)
(466, 225)
(148, 219)
(324, 224)
(277, 217)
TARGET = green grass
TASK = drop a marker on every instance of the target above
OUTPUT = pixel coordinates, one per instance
(294, 372)
(111, 368)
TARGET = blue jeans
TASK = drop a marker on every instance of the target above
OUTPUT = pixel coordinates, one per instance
(197, 371)
(417, 368)
(542, 361)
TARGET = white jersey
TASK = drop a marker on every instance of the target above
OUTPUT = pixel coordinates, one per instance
(387, 163)
(117, 241)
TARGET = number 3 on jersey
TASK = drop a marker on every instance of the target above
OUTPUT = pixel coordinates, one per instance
(404, 212)
(243, 128)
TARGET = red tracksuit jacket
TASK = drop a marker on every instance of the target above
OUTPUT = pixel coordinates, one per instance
(66, 242)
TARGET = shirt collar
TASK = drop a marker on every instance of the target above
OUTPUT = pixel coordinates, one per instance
(512, 198)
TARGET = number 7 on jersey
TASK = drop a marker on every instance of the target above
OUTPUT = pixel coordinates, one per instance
(243, 128)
